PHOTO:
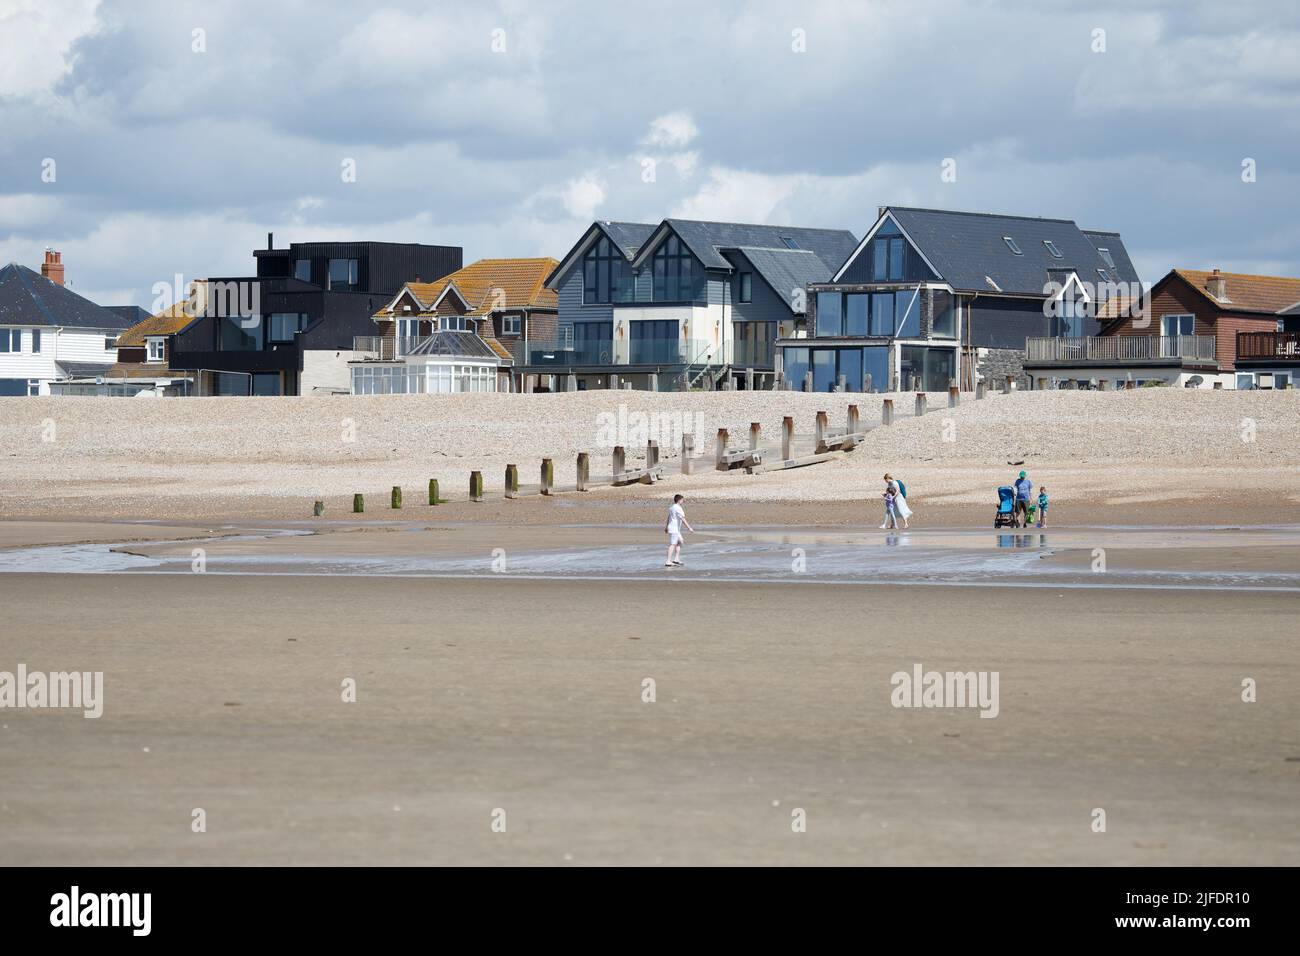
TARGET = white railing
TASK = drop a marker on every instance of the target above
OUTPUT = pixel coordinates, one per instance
(386, 347)
(1119, 348)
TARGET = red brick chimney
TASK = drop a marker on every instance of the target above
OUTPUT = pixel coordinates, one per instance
(52, 267)
(1217, 286)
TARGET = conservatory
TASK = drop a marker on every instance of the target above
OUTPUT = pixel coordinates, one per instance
(446, 361)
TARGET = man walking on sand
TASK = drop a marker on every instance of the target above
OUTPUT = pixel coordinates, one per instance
(676, 521)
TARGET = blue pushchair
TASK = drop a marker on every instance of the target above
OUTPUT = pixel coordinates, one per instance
(1006, 513)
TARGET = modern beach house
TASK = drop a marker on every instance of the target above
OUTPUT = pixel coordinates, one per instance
(465, 332)
(1193, 329)
(931, 297)
(290, 329)
(679, 304)
(48, 333)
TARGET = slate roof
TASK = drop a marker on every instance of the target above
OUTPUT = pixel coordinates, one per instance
(454, 343)
(707, 240)
(28, 298)
(786, 269)
(132, 313)
(965, 247)
(630, 236)
(521, 280)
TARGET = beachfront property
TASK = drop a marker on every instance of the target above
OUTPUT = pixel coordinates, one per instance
(1192, 329)
(677, 305)
(48, 333)
(1271, 359)
(933, 297)
(465, 332)
(290, 329)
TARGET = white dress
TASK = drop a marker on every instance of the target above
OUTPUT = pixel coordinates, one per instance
(900, 502)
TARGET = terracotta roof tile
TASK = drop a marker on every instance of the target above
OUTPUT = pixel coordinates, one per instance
(520, 282)
(166, 322)
(1247, 293)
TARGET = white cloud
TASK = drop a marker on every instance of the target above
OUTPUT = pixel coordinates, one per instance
(671, 131)
(36, 37)
(582, 197)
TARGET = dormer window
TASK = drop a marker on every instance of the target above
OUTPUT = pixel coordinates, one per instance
(155, 349)
(1011, 244)
(1051, 247)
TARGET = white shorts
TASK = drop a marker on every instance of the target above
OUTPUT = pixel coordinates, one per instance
(674, 538)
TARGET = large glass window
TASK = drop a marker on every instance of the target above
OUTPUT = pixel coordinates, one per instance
(754, 344)
(875, 362)
(606, 275)
(882, 313)
(234, 337)
(907, 314)
(266, 383)
(794, 367)
(1177, 325)
(927, 369)
(343, 274)
(851, 369)
(944, 323)
(593, 342)
(11, 340)
(677, 276)
(746, 286)
(36, 340)
(283, 325)
(887, 254)
(830, 313)
(824, 369)
(302, 269)
(855, 313)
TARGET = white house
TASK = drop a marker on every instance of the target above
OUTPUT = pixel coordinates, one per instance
(48, 332)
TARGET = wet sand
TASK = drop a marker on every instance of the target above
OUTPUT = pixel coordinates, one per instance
(485, 691)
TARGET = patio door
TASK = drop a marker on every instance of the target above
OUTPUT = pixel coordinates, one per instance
(1172, 327)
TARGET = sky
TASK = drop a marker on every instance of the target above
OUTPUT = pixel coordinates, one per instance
(149, 140)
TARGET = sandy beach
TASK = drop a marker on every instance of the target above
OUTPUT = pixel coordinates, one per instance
(499, 650)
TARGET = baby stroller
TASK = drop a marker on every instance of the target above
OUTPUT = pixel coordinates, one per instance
(1006, 513)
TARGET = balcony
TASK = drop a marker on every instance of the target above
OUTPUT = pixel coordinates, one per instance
(568, 354)
(385, 348)
(1122, 349)
(657, 352)
(1268, 345)
(753, 354)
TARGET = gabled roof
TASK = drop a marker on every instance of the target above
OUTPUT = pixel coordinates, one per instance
(454, 343)
(707, 240)
(167, 322)
(788, 269)
(1245, 293)
(968, 248)
(521, 281)
(28, 298)
(628, 237)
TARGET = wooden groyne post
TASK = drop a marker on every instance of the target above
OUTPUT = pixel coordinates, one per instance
(476, 486)
(720, 453)
(583, 471)
(819, 433)
(547, 476)
(954, 396)
(512, 481)
(887, 411)
(688, 454)
(396, 501)
(920, 404)
(358, 503)
(620, 463)
(433, 491)
(787, 437)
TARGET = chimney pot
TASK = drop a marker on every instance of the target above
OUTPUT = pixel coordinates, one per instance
(1217, 285)
(52, 267)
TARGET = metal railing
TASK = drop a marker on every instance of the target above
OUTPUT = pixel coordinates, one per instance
(1265, 345)
(1119, 348)
(386, 347)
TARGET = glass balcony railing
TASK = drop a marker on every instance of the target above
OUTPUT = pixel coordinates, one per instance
(753, 354)
(656, 352)
(588, 352)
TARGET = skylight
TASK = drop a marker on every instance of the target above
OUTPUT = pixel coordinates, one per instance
(1011, 244)
(1051, 247)
(789, 243)
(1106, 257)
(1104, 275)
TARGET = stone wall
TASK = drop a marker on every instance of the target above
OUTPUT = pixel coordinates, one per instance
(994, 365)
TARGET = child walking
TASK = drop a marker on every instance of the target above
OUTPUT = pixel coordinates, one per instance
(1042, 506)
(673, 527)
(891, 519)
